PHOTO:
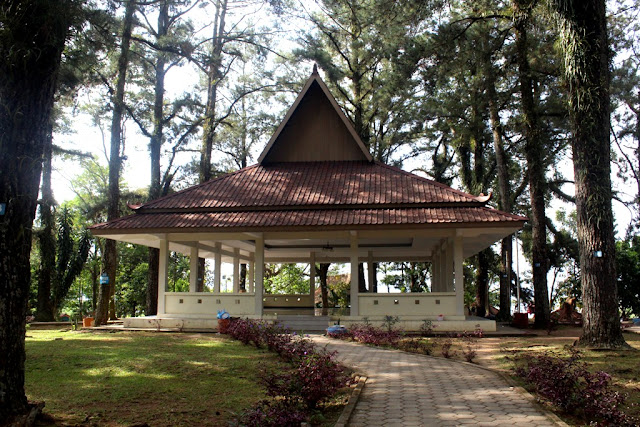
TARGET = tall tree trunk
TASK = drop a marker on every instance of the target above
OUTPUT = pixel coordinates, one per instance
(243, 277)
(586, 49)
(152, 291)
(506, 246)
(482, 280)
(46, 239)
(209, 128)
(534, 153)
(33, 37)
(362, 285)
(155, 149)
(322, 271)
(115, 162)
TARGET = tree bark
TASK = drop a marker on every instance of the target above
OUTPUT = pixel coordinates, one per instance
(214, 76)
(362, 285)
(47, 243)
(322, 273)
(587, 57)
(115, 163)
(155, 149)
(33, 37)
(506, 246)
(534, 153)
(243, 277)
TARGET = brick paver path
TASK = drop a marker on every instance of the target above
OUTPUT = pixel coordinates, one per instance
(406, 389)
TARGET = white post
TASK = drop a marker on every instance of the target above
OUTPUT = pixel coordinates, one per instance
(312, 276)
(371, 272)
(354, 272)
(193, 269)
(458, 258)
(236, 270)
(259, 286)
(449, 264)
(434, 271)
(163, 273)
(443, 268)
(217, 260)
(250, 277)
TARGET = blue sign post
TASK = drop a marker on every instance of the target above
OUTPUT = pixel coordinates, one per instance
(104, 279)
(3, 208)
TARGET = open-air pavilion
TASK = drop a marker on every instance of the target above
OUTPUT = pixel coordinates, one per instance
(315, 195)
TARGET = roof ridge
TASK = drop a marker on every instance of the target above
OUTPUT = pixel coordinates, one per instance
(202, 184)
(430, 181)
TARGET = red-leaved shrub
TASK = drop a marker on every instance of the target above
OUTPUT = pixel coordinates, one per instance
(568, 384)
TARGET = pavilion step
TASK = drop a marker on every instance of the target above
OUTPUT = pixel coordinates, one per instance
(303, 323)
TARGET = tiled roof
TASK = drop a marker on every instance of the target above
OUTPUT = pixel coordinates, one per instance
(312, 184)
(310, 194)
(247, 220)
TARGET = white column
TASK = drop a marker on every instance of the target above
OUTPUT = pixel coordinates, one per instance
(354, 272)
(259, 286)
(371, 272)
(163, 273)
(312, 276)
(458, 258)
(236, 270)
(449, 266)
(435, 265)
(193, 269)
(217, 261)
(250, 277)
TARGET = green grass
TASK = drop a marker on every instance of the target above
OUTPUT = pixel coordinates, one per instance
(127, 378)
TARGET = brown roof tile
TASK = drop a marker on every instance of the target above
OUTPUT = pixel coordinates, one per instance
(306, 218)
(312, 183)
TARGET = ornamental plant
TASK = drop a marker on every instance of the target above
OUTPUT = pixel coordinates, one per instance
(569, 385)
(315, 375)
(273, 413)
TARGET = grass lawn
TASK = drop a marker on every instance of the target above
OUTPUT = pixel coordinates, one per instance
(130, 378)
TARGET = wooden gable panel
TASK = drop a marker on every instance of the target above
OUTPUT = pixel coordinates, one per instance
(314, 132)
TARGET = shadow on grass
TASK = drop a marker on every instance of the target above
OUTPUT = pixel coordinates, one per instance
(133, 378)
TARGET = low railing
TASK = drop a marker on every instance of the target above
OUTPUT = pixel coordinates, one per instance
(205, 303)
(287, 300)
(407, 304)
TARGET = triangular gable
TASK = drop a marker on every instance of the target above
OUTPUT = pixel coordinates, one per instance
(314, 129)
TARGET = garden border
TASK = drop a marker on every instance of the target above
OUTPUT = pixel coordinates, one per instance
(351, 403)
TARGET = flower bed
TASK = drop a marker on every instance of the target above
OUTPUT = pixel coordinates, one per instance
(315, 375)
(569, 385)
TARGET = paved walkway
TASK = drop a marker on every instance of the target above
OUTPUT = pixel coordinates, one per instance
(406, 389)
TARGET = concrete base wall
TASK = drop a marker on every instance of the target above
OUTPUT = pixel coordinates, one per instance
(449, 324)
(185, 322)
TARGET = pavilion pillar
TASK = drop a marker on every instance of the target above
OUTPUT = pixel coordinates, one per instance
(193, 269)
(435, 266)
(250, 276)
(236, 271)
(440, 282)
(458, 259)
(312, 277)
(371, 272)
(163, 274)
(217, 261)
(259, 285)
(353, 238)
(449, 266)
(443, 268)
